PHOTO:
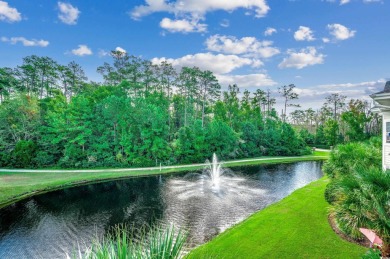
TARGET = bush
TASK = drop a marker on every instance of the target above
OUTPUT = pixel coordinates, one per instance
(306, 151)
(142, 161)
(359, 190)
(344, 158)
(362, 200)
(23, 154)
(331, 192)
(5, 158)
(44, 158)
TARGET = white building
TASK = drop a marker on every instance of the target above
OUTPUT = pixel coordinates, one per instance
(382, 106)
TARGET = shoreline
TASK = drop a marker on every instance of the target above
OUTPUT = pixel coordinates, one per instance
(12, 180)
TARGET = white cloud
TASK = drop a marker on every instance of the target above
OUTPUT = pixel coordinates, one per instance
(305, 57)
(219, 64)
(248, 46)
(315, 96)
(344, 2)
(8, 13)
(183, 25)
(325, 40)
(246, 81)
(26, 42)
(368, 87)
(120, 50)
(340, 32)
(82, 50)
(102, 53)
(225, 23)
(304, 33)
(269, 31)
(68, 13)
(198, 8)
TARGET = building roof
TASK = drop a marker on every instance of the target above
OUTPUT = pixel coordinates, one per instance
(382, 99)
(386, 89)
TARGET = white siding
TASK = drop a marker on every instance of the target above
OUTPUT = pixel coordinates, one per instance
(385, 146)
(386, 156)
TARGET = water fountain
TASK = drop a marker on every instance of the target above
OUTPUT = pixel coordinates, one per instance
(214, 171)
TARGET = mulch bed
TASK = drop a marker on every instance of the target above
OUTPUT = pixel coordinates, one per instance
(362, 242)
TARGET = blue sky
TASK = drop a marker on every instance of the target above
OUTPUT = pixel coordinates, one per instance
(322, 47)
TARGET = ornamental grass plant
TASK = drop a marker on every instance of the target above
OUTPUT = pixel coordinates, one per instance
(121, 243)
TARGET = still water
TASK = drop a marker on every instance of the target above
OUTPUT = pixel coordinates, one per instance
(58, 223)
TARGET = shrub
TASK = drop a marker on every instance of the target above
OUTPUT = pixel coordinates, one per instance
(363, 201)
(345, 158)
(24, 153)
(359, 190)
(331, 192)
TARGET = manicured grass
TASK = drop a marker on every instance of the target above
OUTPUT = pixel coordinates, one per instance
(295, 227)
(17, 185)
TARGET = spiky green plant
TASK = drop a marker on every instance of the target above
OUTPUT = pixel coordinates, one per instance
(165, 243)
(157, 243)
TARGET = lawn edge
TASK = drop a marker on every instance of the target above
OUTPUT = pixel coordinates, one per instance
(141, 172)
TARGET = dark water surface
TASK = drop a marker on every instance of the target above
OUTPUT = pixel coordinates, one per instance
(54, 224)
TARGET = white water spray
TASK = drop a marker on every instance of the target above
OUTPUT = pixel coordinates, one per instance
(215, 171)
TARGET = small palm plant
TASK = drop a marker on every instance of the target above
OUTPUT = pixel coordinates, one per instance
(363, 200)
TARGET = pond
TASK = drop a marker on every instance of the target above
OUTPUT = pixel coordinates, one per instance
(54, 224)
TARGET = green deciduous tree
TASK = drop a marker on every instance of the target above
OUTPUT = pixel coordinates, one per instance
(331, 132)
(221, 139)
(19, 122)
(356, 118)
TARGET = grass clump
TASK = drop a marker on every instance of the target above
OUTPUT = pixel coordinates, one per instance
(157, 243)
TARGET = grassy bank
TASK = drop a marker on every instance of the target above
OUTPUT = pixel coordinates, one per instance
(16, 185)
(295, 227)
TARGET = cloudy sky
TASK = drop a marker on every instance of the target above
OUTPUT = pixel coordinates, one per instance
(321, 46)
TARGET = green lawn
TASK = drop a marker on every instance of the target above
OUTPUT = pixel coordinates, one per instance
(295, 227)
(15, 186)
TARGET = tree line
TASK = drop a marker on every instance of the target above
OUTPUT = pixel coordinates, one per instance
(337, 121)
(143, 114)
